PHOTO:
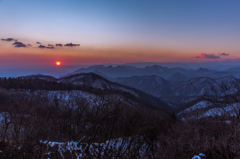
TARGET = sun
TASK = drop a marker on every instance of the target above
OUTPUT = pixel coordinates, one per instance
(58, 63)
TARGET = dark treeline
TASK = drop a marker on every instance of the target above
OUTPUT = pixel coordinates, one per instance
(36, 84)
(28, 119)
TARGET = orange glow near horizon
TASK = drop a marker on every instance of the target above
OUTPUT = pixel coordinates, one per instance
(58, 63)
(11, 56)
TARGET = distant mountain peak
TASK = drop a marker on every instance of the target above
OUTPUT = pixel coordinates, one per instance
(234, 69)
(203, 69)
(39, 76)
(115, 71)
(154, 66)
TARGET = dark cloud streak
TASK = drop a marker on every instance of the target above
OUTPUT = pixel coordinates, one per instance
(50, 47)
(58, 44)
(71, 44)
(19, 44)
(8, 39)
(41, 46)
(224, 54)
(207, 56)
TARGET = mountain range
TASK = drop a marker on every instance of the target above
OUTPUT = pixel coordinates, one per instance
(173, 74)
(91, 81)
(179, 93)
(168, 88)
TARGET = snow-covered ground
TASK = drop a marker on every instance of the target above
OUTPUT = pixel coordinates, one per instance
(198, 109)
(231, 110)
(199, 105)
(114, 147)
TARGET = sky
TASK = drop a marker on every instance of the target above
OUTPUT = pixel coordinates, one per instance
(111, 31)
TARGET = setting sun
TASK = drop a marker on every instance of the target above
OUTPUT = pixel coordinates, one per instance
(58, 63)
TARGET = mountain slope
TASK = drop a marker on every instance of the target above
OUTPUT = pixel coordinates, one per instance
(96, 81)
(180, 93)
(154, 85)
(177, 77)
(39, 76)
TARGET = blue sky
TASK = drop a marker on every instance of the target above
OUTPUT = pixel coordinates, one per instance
(133, 22)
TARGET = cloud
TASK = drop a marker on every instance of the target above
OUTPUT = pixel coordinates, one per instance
(41, 46)
(58, 44)
(225, 54)
(19, 44)
(48, 47)
(71, 44)
(207, 56)
(51, 47)
(8, 39)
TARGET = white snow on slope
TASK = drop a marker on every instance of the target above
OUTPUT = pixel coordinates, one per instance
(109, 148)
(199, 105)
(230, 110)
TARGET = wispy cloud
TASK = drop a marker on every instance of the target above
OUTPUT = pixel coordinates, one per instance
(19, 44)
(58, 44)
(8, 39)
(207, 56)
(41, 46)
(50, 47)
(224, 54)
(71, 44)
(47, 47)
